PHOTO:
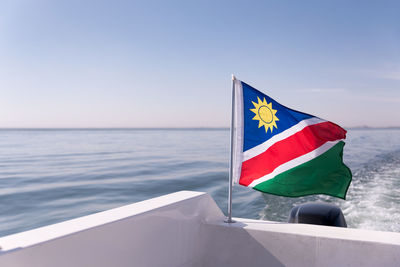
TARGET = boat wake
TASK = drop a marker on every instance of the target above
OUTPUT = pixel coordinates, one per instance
(373, 199)
(374, 196)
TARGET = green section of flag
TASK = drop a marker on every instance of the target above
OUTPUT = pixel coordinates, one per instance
(325, 174)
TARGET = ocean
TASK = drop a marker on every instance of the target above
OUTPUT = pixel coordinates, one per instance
(51, 175)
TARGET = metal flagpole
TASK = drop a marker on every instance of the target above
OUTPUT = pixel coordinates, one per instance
(229, 219)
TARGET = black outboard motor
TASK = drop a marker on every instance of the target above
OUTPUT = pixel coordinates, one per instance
(318, 213)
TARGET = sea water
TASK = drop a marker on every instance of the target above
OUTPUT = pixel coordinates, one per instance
(52, 175)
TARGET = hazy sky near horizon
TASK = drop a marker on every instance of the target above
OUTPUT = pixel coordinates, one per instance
(70, 63)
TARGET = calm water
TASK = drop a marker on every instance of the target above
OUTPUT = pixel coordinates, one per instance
(47, 176)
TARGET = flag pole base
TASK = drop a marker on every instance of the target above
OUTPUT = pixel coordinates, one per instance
(229, 220)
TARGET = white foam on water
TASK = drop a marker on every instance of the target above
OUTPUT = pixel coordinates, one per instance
(374, 199)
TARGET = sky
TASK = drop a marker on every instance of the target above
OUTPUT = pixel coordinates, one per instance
(71, 63)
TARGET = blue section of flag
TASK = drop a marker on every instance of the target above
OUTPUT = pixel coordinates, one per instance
(253, 135)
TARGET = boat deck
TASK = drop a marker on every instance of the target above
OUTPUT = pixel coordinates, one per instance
(187, 229)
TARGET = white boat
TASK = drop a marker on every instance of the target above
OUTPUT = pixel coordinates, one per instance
(187, 229)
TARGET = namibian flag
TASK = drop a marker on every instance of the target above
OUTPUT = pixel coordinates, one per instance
(281, 151)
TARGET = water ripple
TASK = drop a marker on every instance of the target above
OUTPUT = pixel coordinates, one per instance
(55, 175)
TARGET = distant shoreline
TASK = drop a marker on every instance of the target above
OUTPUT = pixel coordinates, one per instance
(373, 128)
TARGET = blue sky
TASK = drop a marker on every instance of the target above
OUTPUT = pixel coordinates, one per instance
(168, 63)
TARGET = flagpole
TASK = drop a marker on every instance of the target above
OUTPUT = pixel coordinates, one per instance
(229, 219)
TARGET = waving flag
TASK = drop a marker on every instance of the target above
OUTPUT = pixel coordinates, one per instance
(285, 152)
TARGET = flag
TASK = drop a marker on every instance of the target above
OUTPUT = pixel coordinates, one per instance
(281, 151)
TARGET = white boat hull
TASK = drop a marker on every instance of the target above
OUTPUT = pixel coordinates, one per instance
(187, 229)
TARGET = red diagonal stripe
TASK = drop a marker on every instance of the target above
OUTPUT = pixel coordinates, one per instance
(296, 145)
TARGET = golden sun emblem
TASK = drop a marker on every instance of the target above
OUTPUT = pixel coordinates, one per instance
(265, 114)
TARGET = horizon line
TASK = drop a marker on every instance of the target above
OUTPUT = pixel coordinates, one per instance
(167, 128)
(107, 128)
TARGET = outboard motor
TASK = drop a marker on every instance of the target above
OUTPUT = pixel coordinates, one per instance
(318, 213)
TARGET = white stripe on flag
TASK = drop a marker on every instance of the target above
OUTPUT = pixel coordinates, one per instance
(255, 151)
(296, 162)
(238, 131)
